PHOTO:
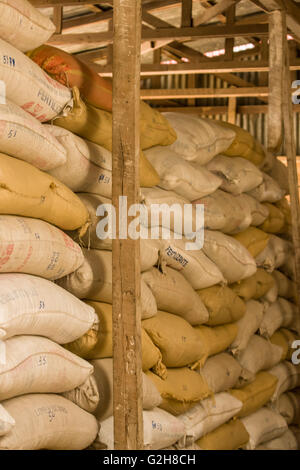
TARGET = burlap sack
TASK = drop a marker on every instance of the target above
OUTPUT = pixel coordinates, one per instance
(38, 365)
(24, 137)
(29, 87)
(27, 191)
(32, 246)
(31, 305)
(24, 26)
(174, 294)
(238, 175)
(48, 421)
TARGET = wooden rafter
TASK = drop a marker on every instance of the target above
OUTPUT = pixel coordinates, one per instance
(97, 18)
(215, 110)
(186, 51)
(215, 10)
(180, 93)
(214, 67)
(186, 34)
(291, 9)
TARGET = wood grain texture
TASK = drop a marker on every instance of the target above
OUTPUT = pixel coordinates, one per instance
(276, 81)
(128, 420)
(290, 148)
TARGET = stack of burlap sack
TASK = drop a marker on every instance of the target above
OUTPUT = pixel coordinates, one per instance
(46, 392)
(218, 323)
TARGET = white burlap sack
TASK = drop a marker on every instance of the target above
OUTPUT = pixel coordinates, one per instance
(275, 254)
(286, 441)
(24, 26)
(221, 372)
(247, 326)
(32, 246)
(93, 281)
(103, 373)
(230, 256)
(28, 86)
(161, 429)
(262, 426)
(279, 173)
(259, 212)
(238, 174)
(174, 294)
(268, 191)
(175, 212)
(148, 247)
(38, 365)
(288, 376)
(190, 181)
(282, 249)
(86, 395)
(31, 305)
(279, 314)
(208, 415)
(272, 295)
(24, 137)
(87, 167)
(288, 406)
(225, 212)
(259, 355)
(47, 421)
(7, 422)
(196, 267)
(198, 139)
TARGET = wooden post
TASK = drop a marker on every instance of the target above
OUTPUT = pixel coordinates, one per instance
(58, 18)
(186, 21)
(110, 46)
(277, 78)
(289, 138)
(229, 55)
(128, 420)
(156, 81)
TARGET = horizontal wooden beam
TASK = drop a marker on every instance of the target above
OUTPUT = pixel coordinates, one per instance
(148, 70)
(54, 3)
(216, 110)
(221, 31)
(180, 93)
(92, 18)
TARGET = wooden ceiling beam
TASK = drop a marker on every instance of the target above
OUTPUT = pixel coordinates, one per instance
(215, 10)
(92, 18)
(214, 110)
(222, 31)
(291, 8)
(151, 70)
(181, 93)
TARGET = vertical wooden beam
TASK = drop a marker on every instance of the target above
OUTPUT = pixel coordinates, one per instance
(156, 81)
(264, 76)
(187, 21)
(58, 18)
(186, 13)
(276, 81)
(229, 55)
(110, 46)
(128, 420)
(289, 138)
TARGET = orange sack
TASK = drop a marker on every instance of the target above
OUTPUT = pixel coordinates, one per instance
(69, 71)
